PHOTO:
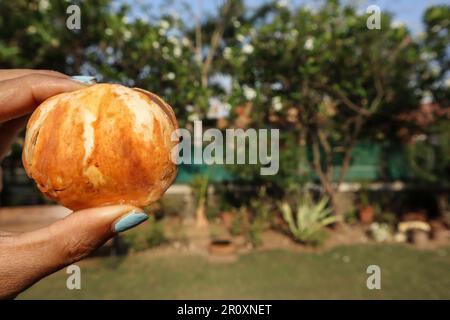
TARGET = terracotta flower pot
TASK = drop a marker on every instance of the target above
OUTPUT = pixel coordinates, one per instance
(419, 238)
(222, 247)
(439, 231)
(366, 214)
(227, 219)
(415, 216)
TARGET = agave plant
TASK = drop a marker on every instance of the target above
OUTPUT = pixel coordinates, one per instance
(311, 218)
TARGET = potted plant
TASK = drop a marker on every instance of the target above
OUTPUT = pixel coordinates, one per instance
(366, 210)
(199, 186)
(227, 218)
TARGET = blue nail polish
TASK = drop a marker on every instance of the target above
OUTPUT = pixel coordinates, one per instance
(84, 79)
(130, 220)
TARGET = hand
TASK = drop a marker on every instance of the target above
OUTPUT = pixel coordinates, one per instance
(28, 257)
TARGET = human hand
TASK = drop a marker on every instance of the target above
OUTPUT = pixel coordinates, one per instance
(26, 258)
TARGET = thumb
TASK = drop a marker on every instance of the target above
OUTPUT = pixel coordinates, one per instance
(28, 257)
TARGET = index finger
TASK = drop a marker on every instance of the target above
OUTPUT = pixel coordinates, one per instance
(20, 96)
(6, 74)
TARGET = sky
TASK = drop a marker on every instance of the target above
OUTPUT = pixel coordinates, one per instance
(408, 12)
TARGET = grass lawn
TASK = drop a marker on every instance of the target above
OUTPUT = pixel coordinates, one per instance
(406, 273)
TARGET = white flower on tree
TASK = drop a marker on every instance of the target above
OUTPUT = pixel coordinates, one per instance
(294, 33)
(177, 52)
(193, 117)
(127, 35)
(283, 3)
(247, 49)
(44, 5)
(164, 24)
(309, 44)
(31, 30)
(185, 42)
(227, 53)
(170, 76)
(240, 38)
(397, 24)
(276, 103)
(249, 93)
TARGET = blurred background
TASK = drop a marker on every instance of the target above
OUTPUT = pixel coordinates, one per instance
(362, 104)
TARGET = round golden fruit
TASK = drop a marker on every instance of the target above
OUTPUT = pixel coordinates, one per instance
(101, 145)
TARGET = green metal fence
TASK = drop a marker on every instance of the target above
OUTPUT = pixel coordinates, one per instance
(370, 162)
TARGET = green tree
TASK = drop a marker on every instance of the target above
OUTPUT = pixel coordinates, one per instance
(323, 75)
(429, 150)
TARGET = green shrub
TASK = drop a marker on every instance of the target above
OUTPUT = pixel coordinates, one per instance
(155, 235)
(387, 217)
(351, 216)
(133, 241)
(251, 230)
(254, 233)
(236, 225)
(149, 235)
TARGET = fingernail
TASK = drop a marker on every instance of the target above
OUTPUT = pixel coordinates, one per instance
(130, 220)
(84, 79)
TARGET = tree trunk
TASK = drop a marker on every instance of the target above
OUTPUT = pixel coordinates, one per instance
(200, 214)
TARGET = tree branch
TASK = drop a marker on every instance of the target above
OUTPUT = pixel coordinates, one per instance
(379, 95)
(326, 183)
(348, 103)
(328, 153)
(215, 41)
(348, 151)
(198, 35)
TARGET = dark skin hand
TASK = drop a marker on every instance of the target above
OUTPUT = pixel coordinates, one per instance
(25, 258)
